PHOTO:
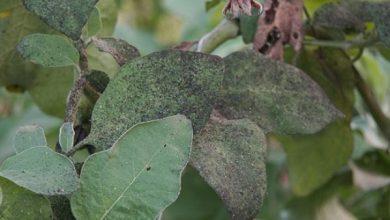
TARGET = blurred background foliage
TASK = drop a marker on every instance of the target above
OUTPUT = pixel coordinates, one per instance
(358, 190)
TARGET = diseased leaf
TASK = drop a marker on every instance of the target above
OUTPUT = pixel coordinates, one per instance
(333, 70)
(19, 203)
(68, 17)
(66, 137)
(119, 49)
(281, 24)
(230, 156)
(42, 171)
(337, 16)
(29, 136)
(197, 200)
(353, 14)
(48, 50)
(313, 159)
(139, 176)
(278, 97)
(330, 149)
(156, 86)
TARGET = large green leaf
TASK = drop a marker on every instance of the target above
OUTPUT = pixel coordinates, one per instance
(197, 201)
(139, 176)
(278, 97)
(230, 156)
(29, 136)
(68, 17)
(15, 23)
(48, 50)
(313, 159)
(19, 203)
(156, 86)
(42, 171)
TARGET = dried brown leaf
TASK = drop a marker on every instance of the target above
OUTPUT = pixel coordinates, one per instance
(281, 23)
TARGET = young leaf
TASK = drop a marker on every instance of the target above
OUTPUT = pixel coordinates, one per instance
(19, 203)
(66, 137)
(68, 17)
(230, 156)
(139, 176)
(48, 50)
(156, 86)
(313, 159)
(278, 97)
(119, 49)
(29, 136)
(94, 23)
(42, 171)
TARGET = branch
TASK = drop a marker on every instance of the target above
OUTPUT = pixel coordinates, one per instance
(373, 106)
(76, 92)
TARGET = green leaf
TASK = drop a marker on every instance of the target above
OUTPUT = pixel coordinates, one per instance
(196, 201)
(68, 17)
(42, 171)
(15, 23)
(66, 137)
(230, 156)
(139, 176)
(19, 203)
(249, 25)
(98, 80)
(29, 136)
(61, 208)
(156, 86)
(119, 49)
(313, 159)
(376, 161)
(278, 97)
(211, 4)
(108, 15)
(381, 14)
(372, 204)
(50, 89)
(48, 50)
(94, 23)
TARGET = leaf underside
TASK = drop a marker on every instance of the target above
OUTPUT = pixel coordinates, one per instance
(139, 176)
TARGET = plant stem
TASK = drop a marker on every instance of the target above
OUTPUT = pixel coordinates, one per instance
(373, 106)
(224, 31)
(75, 93)
(343, 44)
